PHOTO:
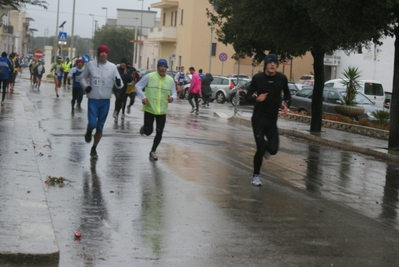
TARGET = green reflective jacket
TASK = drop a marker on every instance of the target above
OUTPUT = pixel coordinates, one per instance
(157, 91)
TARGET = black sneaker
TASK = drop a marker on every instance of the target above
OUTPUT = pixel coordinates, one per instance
(88, 135)
(93, 153)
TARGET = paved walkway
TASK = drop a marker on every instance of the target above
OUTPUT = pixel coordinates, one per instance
(336, 138)
(27, 233)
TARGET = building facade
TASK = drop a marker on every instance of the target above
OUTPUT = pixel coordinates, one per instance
(15, 32)
(375, 63)
(184, 38)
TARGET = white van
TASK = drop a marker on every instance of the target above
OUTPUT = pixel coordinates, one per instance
(371, 88)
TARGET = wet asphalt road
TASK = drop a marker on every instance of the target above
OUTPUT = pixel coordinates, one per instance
(195, 205)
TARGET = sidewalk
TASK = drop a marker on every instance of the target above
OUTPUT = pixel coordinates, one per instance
(331, 137)
(27, 233)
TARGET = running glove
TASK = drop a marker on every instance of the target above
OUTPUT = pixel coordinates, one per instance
(88, 89)
(117, 81)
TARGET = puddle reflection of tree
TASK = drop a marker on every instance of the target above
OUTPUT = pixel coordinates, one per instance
(390, 199)
(313, 181)
(152, 206)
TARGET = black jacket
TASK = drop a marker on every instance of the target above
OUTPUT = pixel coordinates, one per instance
(126, 77)
(274, 86)
(206, 84)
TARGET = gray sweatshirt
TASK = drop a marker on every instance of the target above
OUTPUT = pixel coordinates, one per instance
(101, 79)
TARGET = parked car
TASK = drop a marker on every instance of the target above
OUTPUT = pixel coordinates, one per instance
(387, 101)
(306, 78)
(302, 101)
(243, 91)
(239, 76)
(371, 88)
(221, 87)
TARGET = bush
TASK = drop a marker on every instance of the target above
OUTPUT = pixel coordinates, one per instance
(382, 117)
(50, 76)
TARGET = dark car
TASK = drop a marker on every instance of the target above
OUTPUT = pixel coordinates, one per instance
(387, 101)
(243, 91)
(302, 101)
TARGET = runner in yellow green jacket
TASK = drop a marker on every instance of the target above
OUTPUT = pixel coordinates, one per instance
(160, 90)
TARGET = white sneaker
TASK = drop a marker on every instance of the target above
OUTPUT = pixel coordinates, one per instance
(122, 116)
(256, 180)
(115, 115)
(266, 155)
(153, 156)
(192, 110)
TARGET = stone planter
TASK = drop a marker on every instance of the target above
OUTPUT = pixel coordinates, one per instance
(349, 111)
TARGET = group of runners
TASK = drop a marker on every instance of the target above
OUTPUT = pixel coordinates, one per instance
(99, 79)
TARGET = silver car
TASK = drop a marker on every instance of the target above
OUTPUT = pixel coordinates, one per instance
(221, 87)
(302, 101)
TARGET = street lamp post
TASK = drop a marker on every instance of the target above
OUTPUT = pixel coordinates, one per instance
(73, 28)
(92, 27)
(92, 32)
(106, 14)
(141, 31)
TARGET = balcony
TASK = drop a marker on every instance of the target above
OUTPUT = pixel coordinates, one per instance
(163, 35)
(165, 4)
(8, 29)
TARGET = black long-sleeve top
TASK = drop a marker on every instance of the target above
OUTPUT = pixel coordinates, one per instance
(274, 86)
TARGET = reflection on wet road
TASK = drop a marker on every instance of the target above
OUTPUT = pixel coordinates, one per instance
(195, 206)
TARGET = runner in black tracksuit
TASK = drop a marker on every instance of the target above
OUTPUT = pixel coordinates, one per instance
(126, 74)
(265, 90)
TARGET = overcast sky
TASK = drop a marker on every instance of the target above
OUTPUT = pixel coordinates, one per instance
(47, 19)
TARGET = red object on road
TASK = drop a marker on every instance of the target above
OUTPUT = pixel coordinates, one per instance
(38, 54)
(78, 234)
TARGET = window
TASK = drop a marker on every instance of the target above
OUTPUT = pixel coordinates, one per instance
(373, 89)
(171, 18)
(329, 85)
(181, 17)
(163, 19)
(304, 92)
(213, 52)
(216, 80)
(332, 97)
(175, 18)
(225, 81)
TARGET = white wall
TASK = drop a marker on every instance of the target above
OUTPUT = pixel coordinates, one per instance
(375, 64)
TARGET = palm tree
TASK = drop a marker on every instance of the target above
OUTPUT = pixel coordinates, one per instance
(351, 83)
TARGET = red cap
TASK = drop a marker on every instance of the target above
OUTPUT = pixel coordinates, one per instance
(102, 48)
(79, 61)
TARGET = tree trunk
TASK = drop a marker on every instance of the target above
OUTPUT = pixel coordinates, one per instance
(394, 108)
(317, 98)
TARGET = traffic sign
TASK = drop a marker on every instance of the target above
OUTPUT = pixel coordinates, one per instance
(38, 54)
(62, 36)
(173, 56)
(223, 57)
(86, 58)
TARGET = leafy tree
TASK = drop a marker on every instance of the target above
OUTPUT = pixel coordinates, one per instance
(118, 41)
(291, 28)
(17, 4)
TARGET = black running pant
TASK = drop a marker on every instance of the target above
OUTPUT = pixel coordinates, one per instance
(263, 127)
(149, 127)
(5, 83)
(77, 95)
